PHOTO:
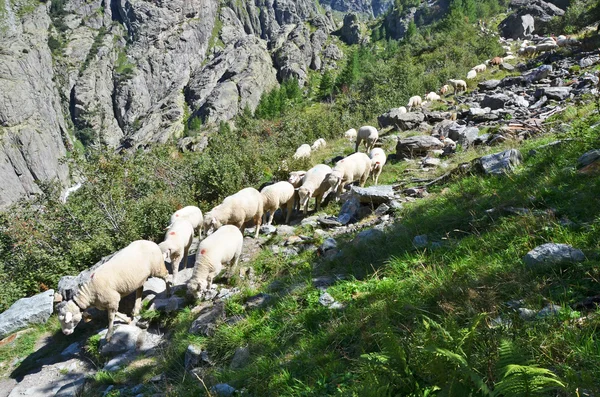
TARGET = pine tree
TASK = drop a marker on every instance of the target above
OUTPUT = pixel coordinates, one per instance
(326, 86)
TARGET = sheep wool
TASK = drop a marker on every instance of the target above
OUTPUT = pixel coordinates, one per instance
(296, 179)
(176, 245)
(415, 102)
(368, 134)
(350, 134)
(471, 75)
(236, 209)
(319, 143)
(278, 195)
(191, 213)
(458, 85)
(222, 247)
(123, 274)
(314, 185)
(432, 96)
(355, 167)
(302, 152)
(378, 160)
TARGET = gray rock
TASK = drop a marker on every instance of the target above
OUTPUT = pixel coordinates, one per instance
(350, 31)
(549, 311)
(328, 301)
(382, 209)
(537, 74)
(553, 254)
(378, 194)
(285, 230)
(588, 158)
(241, 358)
(403, 121)
(417, 146)
(526, 314)
(557, 93)
(71, 350)
(507, 66)
(517, 26)
(495, 101)
(268, 229)
(205, 323)
(118, 362)
(124, 339)
(74, 388)
(499, 163)
(367, 235)
(168, 305)
(258, 301)
(222, 390)
(349, 211)
(27, 311)
(154, 286)
(196, 357)
(430, 162)
(420, 241)
(488, 85)
(541, 11)
(328, 244)
(513, 81)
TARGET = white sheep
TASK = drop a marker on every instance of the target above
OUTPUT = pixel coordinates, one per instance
(314, 185)
(355, 167)
(124, 273)
(191, 213)
(458, 85)
(278, 195)
(236, 209)
(369, 135)
(222, 247)
(296, 179)
(546, 46)
(415, 102)
(432, 96)
(378, 159)
(350, 134)
(480, 68)
(176, 245)
(445, 88)
(319, 143)
(302, 152)
(471, 74)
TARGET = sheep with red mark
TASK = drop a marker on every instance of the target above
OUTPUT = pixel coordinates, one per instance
(222, 247)
(237, 209)
(124, 273)
(176, 245)
(314, 185)
(191, 213)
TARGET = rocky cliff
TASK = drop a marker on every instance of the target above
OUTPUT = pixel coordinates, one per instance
(130, 73)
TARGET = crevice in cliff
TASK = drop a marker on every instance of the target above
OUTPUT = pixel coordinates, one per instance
(72, 106)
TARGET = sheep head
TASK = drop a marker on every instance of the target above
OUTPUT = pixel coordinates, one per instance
(304, 194)
(334, 178)
(69, 316)
(210, 224)
(296, 177)
(166, 250)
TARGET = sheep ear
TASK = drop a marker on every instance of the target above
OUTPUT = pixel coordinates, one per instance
(68, 317)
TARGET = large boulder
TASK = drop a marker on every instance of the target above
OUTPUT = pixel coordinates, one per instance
(378, 194)
(517, 26)
(553, 254)
(417, 146)
(495, 101)
(27, 311)
(541, 11)
(350, 31)
(499, 163)
(398, 119)
(557, 93)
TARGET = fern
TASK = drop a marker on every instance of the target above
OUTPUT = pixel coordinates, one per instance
(526, 381)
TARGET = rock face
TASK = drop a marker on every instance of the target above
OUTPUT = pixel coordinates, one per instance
(350, 31)
(26, 311)
(553, 254)
(33, 134)
(528, 13)
(369, 7)
(517, 26)
(400, 120)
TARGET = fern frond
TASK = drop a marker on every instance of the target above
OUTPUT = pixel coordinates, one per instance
(527, 381)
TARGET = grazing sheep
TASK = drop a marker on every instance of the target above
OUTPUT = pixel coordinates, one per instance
(191, 213)
(302, 152)
(415, 102)
(314, 185)
(296, 179)
(278, 195)
(222, 247)
(432, 96)
(471, 75)
(178, 240)
(496, 61)
(445, 88)
(355, 167)
(123, 274)
(458, 85)
(564, 41)
(350, 134)
(378, 159)
(319, 143)
(236, 209)
(369, 135)
(480, 68)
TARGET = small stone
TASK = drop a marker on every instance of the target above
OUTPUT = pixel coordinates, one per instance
(420, 241)
(553, 254)
(258, 301)
(549, 310)
(588, 158)
(349, 211)
(285, 230)
(326, 299)
(311, 221)
(222, 390)
(268, 229)
(382, 210)
(72, 349)
(526, 314)
(507, 66)
(195, 356)
(499, 163)
(205, 323)
(328, 244)
(367, 235)
(241, 358)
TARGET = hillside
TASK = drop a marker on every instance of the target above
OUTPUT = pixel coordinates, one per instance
(436, 282)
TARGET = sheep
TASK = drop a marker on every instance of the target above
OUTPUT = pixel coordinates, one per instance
(378, 159)
(125, 272)
(471, 75)
(480, 68)
(355, 167)
(278, 195)
(496, 61)
(314, 186)
(236, 209)
(546, 46)
(176, 245)
(458, 85)
(191, 213)
(432, 96)
(302, 152)
(369, 135)
(350, 134)
(222, 247)
(415, 102)
(445, 88)
(319, 143)
(296, 179)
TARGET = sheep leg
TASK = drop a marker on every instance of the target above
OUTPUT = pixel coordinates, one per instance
(318, 202)
(138, 301)
(186, 252)
(290, 206)
(271, 216)
(111, 320)
(357, 143)
(257, 220)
